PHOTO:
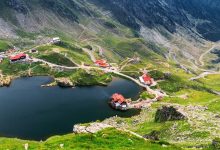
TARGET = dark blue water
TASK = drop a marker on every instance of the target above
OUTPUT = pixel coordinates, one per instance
(28, 111)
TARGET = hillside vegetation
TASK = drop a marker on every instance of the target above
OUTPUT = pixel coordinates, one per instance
(169, 40)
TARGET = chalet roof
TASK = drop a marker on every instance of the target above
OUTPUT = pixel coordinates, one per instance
(18, 56)
(146, 77)
(102, 63)
(118, 98)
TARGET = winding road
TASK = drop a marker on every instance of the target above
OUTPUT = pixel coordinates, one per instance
(205, 53)
(201, 60)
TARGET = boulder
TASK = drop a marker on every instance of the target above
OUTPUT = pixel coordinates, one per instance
(79, 129)
(64, 82)
(154, 135)
(5, 81)
(168, 113)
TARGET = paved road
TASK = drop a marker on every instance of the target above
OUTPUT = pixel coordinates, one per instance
(206, 72)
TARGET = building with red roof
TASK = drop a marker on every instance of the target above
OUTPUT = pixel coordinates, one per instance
(102, 63)
(118, 98)
(119, 102)
(146, 79)
(18, 57)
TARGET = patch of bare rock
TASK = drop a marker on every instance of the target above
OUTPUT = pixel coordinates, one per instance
(91, 128)
(5, 81)
(64, 82)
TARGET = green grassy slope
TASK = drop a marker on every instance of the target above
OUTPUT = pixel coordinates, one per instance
(107, 139)
(4, 45)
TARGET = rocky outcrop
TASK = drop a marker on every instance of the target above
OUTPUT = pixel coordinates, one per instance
(64, 82)
(5, 81)
(168, 113)
(154, 135)
(49, 84)
(91, 128)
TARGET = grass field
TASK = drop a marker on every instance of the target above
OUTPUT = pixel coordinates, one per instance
(212, 81)
(4, 45)
(68, 49)
(57, 58)
(182, 92)
(107, 139)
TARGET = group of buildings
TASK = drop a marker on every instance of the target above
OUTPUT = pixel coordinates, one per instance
(13, 55)
(118, 101)
(22, 56)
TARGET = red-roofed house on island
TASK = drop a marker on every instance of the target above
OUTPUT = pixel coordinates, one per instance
(119, 102)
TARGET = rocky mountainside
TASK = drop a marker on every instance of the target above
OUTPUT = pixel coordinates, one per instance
(169, 24)
(198, 15)
(172, 41)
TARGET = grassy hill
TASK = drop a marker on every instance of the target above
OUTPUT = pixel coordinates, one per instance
(88, 30)
(107, 139)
